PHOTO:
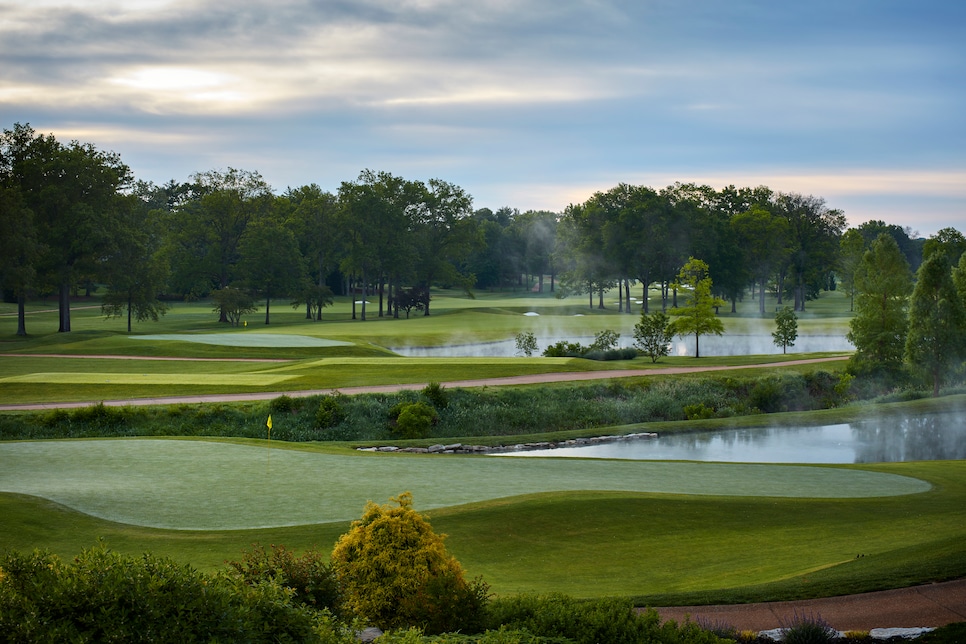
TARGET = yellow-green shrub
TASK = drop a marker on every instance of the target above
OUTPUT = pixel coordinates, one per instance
(395, 572)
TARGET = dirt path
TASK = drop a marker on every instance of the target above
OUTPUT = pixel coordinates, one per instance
(487, 382)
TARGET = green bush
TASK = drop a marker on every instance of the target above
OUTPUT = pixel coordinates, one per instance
(284, 404)
(102, 596)
(413, 420)
(615, 621)
(436, 394)
(395, 572)
(330, 412)
(310, 577)
(808, 629)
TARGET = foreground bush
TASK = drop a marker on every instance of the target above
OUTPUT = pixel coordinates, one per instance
(395, 572)
(309, 577)
(615, 621)
(102, 596)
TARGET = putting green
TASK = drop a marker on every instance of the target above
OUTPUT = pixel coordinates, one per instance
(242, 339)
(201, 485)
(81, 378)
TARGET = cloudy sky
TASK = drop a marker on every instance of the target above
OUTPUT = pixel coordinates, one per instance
(524, 103)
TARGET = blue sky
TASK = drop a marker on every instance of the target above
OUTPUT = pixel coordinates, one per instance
(532, 104)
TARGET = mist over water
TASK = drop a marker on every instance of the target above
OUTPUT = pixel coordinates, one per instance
(886, 440)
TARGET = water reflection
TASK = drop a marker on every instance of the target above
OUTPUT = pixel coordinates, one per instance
(884, 440)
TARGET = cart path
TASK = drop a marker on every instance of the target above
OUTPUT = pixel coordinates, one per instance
(391, 388)
(929, 605)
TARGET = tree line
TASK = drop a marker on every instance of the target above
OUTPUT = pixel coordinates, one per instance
(74, 215)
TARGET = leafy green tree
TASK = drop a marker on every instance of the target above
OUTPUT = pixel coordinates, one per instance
(315, 298)
(19, 249)
(270, 261)
(444, 234)
(133, 269)
(786, 328)
(313, 216)
(205, 232)
(948, 240)
(851, 250)
(526, 343)
(395, 572)
(936, 342)
(878, 331)
(764, 237)
(698, 318)
(814, 232)
(234, 303)
(653, 335)
(74, 192)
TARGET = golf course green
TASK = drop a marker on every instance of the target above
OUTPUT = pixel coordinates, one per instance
(661, 532)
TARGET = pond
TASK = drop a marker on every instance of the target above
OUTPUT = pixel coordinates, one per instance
(884, 440)
(732, 344)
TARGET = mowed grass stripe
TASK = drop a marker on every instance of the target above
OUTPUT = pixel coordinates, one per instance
(88, 378)
(201, 485)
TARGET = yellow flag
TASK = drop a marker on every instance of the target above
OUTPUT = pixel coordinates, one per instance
(269, 423)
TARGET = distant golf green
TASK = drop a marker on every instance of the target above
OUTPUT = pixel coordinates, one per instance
(242, 339)
(203, 485)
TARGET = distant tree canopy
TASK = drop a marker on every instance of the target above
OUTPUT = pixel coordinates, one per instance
(73, 215)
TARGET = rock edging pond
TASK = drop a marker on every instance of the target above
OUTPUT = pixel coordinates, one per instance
(461, 448)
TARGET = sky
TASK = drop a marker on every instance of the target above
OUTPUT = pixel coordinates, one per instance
(531, 104)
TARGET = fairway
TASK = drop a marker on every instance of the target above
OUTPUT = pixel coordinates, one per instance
(205, 485)
(194, 378)
(246, 339)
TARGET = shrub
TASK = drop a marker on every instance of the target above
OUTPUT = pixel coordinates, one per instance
(436, 394)
(284, 404)
(330, 412)
(808, 629)
(413, 420)
(395, 572)
(309, 577)
(615, 621)
(102, 596)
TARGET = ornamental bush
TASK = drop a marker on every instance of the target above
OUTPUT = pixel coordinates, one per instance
(103, 596)
(395, 572)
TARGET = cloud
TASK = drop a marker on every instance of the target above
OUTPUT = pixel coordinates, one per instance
(529, 103)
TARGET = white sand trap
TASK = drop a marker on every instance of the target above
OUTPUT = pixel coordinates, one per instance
(247, 339)
(531, 314)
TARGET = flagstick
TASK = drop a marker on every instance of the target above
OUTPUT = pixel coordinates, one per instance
(269, 423)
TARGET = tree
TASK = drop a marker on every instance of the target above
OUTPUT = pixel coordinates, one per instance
(699, 317)
(851, 250)
(270, 261)
(814, 232)
(764, 237)
(936, 342)
(206, 231)
(315, 298)
(948, 240)
(133, 270)
(19, 250)
(786, 331)
(395, 572)
(878, 330)
(653, 335)
(526, 343)
(234, 303)
(74, 192)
